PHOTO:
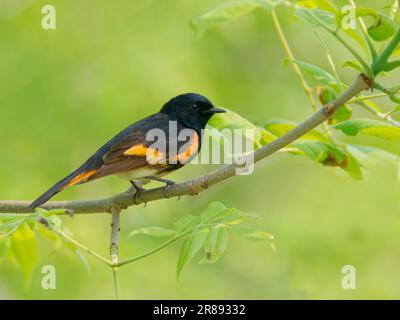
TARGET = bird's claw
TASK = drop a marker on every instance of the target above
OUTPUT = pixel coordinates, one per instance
(138, 190)
(136, 196)
(167, 187)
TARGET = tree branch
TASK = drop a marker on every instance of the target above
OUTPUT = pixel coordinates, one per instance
(115, 226)
(198, 185)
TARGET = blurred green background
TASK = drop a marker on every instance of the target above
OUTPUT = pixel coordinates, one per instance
(64, 92)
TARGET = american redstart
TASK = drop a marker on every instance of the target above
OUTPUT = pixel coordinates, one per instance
(148, 148)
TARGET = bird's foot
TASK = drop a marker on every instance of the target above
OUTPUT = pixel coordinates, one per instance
(166, 188)
(138, 190)
(168, 184)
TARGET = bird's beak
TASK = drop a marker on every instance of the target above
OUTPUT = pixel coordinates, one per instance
(214, 110)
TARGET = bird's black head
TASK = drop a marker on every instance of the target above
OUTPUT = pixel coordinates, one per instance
(193, 109)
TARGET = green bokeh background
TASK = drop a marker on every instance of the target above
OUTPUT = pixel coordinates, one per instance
(63, 93)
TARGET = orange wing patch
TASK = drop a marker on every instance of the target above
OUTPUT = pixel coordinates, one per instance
(153, 156)
(137, 150)
(80, 178)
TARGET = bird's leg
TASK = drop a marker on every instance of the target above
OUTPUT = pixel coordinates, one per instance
(168, 183)
(138, 190)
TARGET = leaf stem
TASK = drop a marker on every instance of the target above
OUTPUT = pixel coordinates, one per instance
(115, 281)
(290, 55)
(364, 31)
(392, 96)
(372, 96)
(82, 247)
(297, 70)
(383, 116)
(378, 65)
(330, 60)
(322, 24)
(165, 244)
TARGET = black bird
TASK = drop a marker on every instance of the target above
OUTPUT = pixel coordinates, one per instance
(148, 148)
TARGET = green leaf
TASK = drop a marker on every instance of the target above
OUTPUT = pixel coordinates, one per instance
(318, 74)
(374, 106)
(357, 38)
(4, 247)
(227, 11)
(214, 211)
(353, 167)
(11, 216)
(383, 29)
(153, 231)
(190, 247)
(49, 235)
(279, 127)
(396, 51)
(25, 248)
(352, 64)
(233, 121)
(215, 244)
(369, 127)
(55, 222)
(326, 95)
(330, 155)
(364, 12)
(235, 216)
(6, 229)
(367, 155)
(83, 260)
(318, 4)
(53, 212)
(186, 222)
(391, 66)
(310, 15)
(253, 233)
(344, 113)
(322, 152)
(395, 109)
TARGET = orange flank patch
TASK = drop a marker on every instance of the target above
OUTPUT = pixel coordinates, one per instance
(192, 150)
(80, 178)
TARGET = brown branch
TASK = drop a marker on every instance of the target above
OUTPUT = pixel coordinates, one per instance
(198, 185)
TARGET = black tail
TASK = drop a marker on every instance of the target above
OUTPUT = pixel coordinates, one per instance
(59, 186)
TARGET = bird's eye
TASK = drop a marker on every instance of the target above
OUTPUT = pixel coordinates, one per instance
(195, 107)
